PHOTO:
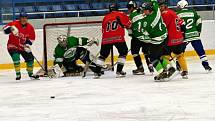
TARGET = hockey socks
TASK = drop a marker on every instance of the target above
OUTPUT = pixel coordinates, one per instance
(182, 62)
(29, 67)
(137, 60)
(16, 61)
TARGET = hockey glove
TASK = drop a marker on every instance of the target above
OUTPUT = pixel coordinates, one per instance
(130, 32)
(11, 29)
(27, 48)
(15, 31)
(119, 21)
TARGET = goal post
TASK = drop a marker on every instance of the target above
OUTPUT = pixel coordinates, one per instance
(78, 29)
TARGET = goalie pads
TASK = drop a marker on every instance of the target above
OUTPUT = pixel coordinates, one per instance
(54, 72)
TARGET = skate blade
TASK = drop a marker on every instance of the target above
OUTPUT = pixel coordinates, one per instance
(162, 80)
(184, 77)
(209, 71)
(140, 73)
(35, 79)
(96, 77)
(120, 76)
(173, 75)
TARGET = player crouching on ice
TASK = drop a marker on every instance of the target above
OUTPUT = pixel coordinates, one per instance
(21, 37)
(70, 49)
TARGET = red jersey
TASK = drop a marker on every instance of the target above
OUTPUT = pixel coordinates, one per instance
(173, 25)
(112, 31)
(25, 33)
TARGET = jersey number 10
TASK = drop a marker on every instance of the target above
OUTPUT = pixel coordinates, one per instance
(112, 26)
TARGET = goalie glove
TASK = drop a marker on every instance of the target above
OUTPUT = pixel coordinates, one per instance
(92, 41)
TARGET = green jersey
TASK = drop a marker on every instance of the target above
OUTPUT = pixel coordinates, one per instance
(193, 24)
(72, 42)
(137, 31)
(153, 25)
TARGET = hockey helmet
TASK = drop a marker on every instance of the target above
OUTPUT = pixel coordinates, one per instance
(162, 2)
(182, 4)
(23, 14)
(62, 40)
(131, 4)
(147, 6)
(113, 7)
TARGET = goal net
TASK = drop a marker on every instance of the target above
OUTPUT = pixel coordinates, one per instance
(78, 29)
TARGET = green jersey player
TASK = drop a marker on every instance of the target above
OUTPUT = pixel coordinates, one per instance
(70, 49)
(138, 40)
(193, 29)
(153, 26)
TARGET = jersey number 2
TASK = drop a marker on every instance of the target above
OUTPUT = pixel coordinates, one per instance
(189, 23)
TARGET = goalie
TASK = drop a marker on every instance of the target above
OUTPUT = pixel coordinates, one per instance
(70, 49)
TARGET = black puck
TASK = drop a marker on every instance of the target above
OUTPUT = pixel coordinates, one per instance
(52, 97)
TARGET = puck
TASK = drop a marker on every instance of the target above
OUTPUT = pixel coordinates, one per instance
(52, 97)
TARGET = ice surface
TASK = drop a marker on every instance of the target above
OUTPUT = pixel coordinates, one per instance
(134, 98)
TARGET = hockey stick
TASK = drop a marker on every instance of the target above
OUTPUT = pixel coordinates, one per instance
(112, 66)
(41, 66)
(86, 67)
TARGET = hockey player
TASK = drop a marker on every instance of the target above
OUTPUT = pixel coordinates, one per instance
(137, 41)
(21, 37)
(70, 49)
(193, 29)
(113, 29)
(154, 27)
(175, 44)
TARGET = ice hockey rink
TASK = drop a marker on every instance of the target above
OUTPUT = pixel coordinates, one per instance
(133, 98)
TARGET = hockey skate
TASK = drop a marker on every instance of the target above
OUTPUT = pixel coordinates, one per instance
(34, 77)
(184, 75)
(97, 75)
(120, 74)
(151, 69)
(161, 77)
(138, 71)
(172, 73)
(18, 78)
(208, 68)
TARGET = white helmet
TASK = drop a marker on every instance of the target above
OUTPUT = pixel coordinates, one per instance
(182, 4)
(62, 40)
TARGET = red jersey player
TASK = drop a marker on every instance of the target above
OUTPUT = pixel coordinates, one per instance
(175, 42)
(113, 29)
(21, 36)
